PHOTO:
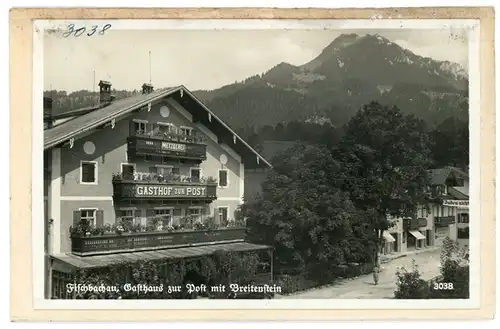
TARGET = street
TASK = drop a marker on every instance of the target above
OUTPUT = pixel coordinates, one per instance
(363, 287)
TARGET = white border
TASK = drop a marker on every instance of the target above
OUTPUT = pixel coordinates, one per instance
(474, 98)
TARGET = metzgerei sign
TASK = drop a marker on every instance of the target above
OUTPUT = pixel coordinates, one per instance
(169, 191)
(167, 146)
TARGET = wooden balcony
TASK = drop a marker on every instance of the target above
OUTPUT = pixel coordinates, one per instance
(154, 186)
(414, 223)
(444, 221)
(156, 142)
(143, 241)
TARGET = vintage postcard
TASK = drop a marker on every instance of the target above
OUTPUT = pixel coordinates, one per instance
(322, 165)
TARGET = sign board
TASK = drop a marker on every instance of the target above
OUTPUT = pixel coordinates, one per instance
(169, 191)
(456, 203)
(167, 146)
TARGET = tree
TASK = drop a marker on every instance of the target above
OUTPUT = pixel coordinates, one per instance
(303, 214)
(385, 156)
(450, 143)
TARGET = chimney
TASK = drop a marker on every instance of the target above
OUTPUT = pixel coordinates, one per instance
(105, 92)
(47, 111)
(147, 88)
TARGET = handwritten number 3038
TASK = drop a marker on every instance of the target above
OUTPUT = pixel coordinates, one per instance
(78, 32)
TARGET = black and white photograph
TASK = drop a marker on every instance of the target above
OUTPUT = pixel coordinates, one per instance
(260, 161)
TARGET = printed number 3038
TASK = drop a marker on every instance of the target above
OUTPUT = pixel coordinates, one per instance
(443, 286)
(78, 32)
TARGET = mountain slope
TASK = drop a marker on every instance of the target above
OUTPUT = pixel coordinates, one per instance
(349, 72)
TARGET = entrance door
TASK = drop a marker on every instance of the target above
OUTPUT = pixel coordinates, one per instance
(396, 241)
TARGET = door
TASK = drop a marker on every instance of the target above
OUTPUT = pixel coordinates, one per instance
(128, 171)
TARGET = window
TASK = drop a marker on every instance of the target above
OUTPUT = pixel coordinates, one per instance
(160, 169)
(195, 213)
(88, 172)
(460, 182)
(88, 216)
(223, 215)
(463, 218)
(223, 182)
(127, 215)
(165, 215)
(404, 237)
(187, 131)
(165, 127)
(140, 127)
(128, 170)
(195, 174)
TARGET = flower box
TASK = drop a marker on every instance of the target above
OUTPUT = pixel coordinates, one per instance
(141, 241)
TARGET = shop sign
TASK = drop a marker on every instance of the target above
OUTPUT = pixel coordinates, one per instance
(169, 191)
(167, 146)
(456, 203)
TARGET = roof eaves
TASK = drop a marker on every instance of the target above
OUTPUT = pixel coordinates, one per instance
(226, 126)
(110, 117)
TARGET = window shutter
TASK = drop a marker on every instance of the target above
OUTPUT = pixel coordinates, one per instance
(76, 218)
(132, 128)
(99, 218)
(223, 178)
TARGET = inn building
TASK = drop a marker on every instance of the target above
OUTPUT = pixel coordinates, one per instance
(444, 215)
(155, 175)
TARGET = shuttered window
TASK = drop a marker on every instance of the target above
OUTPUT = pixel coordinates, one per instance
(88, 172)
(90, 216)
(223, 178)
(223, 211)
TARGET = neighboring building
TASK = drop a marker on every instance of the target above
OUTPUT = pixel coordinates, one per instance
(445, 215)
(255, 177)
(159, 161)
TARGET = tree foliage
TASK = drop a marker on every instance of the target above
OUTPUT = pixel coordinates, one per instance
(385, 157)
(303, 213)
(450, 143)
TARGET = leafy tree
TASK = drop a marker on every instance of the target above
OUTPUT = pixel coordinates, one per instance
(303, 214)
(450, 143)
(385, 157)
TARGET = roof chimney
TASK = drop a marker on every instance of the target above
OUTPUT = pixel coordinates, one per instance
(147, 88)
(105, 92)
(47, 111)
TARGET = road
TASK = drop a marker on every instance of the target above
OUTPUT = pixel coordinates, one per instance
(363, 287)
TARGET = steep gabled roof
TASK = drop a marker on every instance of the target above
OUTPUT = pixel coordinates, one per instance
(440, 175)
(86, 122)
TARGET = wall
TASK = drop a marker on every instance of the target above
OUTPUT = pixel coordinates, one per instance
(110, 151)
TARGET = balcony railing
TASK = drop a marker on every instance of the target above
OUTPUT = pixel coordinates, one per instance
(149, 185)
(158, 140)
(414, 223)
(113, 242)
(444, 221)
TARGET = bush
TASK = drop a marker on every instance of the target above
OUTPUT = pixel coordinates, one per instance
(293, 283)
(452, 283)
(410, 285)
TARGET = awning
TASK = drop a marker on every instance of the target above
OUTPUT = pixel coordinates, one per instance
(417, 235)
(174, 253)
(388, 237)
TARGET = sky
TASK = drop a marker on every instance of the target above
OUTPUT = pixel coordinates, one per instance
(208, 59)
